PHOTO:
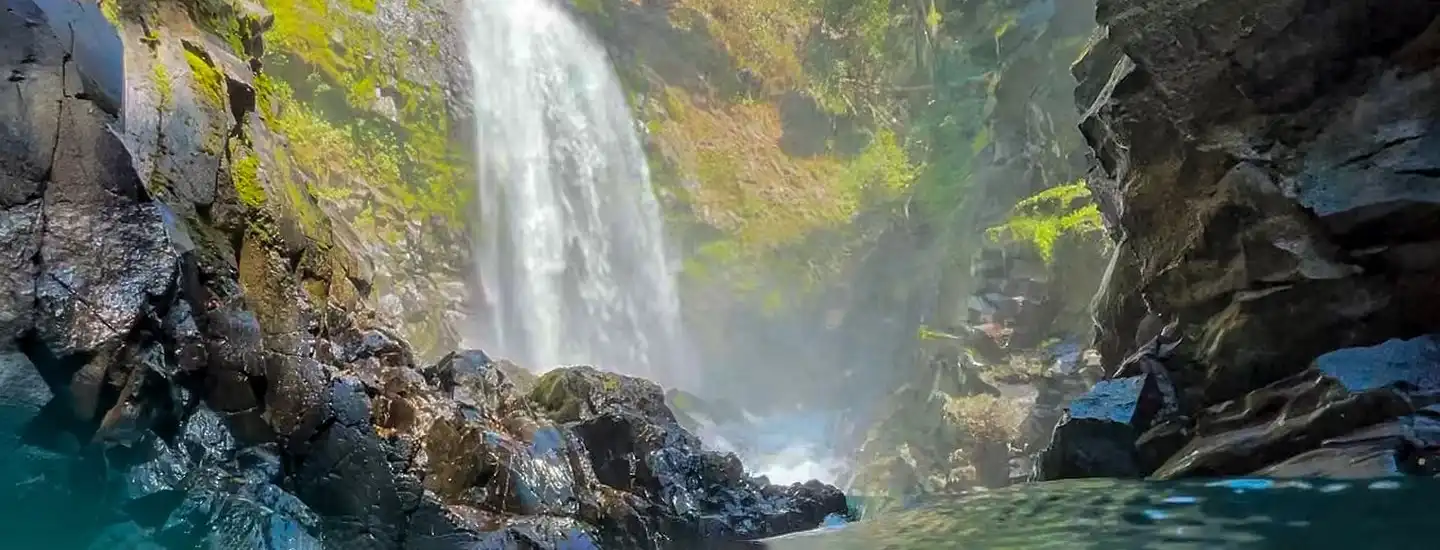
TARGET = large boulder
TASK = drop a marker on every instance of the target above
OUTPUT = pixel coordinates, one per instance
(1100, 432)
(636, 445)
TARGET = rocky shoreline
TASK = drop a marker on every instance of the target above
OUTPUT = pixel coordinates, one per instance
(175, 374)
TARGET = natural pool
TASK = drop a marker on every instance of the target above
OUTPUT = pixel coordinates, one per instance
(1114, 515)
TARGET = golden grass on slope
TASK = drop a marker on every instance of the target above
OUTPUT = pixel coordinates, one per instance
(748, 187)
(764, 36)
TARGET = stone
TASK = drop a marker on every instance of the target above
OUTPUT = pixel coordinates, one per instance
(297, 392)
(344, 475)
(1399, 447)
(1266, 169)
(475, 381)
(1098, 434)
(1279, 421)
(100, 266)
(578, 393)
(1406, 363)
(19, 242)
(23, 392)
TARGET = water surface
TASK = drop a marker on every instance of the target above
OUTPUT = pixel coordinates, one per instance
(1114, 515)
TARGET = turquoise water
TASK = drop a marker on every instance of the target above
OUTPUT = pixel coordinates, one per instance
(1114, 515)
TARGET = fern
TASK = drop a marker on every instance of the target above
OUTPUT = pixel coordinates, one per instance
(1044, 218)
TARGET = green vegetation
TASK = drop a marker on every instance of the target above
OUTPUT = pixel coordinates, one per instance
(245, 172)
(1048, 216)
(110, 9)
(163, 85)
(209, 82)
(363, 6)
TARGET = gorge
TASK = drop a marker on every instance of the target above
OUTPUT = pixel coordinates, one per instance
(544, 274)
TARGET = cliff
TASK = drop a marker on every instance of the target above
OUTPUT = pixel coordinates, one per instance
(1269, 168)
(194, 343)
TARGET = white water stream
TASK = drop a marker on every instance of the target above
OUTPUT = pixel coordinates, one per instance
(571, 256)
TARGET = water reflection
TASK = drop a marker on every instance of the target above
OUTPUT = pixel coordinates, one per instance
(1110, 514)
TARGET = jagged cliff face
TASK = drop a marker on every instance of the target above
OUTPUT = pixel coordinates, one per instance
(286, 109)
(190, 352)
(1270, 168)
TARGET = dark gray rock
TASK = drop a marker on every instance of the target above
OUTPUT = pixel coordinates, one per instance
(1098, 435)
(1406, 445)
(1279, 421)
(476, 382)
(100, 268)
(23, 392)
(345, 476)
(19, 242)
(1412, 364)
(635, 445)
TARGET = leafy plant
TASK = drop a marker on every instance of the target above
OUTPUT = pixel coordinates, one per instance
(1044, 218)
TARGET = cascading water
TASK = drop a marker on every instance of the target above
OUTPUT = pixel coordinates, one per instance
(571, 257)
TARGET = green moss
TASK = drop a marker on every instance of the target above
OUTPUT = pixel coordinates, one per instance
(245, 172)
(163, 86)
(363, 6)
(209, 82)
(110, 9)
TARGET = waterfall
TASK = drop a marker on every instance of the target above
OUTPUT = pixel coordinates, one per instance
(570, 254)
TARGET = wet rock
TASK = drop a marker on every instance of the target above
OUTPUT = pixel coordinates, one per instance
(100, 269)
(344, 474)
(1271, 424)
(579, 393)
(23, 392)
(1269, 188)
(1409, 364)
(1345, 390)
(636, 446)
(1098, 435)
(19, 241)
(1407, 445)
(473, 380)
(226, 510)
(439, 527)
(190, 350)
(296, 396)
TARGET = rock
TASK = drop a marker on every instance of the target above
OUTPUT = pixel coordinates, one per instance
(579, 393)
(344, 474)
(1407, 445)
(493, 471)
(473, 380)
(23, 392)
(296, 397)
(1098, 435)
(635, 445)
(1344, 391)
(19, 241)
(1268, 185)
(1271, 424)
(226, 510)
